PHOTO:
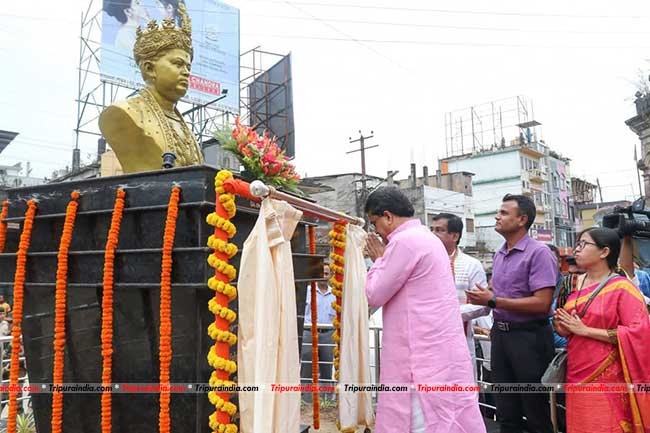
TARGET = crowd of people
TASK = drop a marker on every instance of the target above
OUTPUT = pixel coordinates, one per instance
(434, 297)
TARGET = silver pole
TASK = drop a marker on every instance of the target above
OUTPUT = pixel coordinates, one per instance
(261, 190)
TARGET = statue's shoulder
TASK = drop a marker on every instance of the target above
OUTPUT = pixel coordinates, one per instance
(133, 108)
(126, 117)
(129, 129)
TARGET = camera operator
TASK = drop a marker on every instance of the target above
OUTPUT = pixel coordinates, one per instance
(628, 227)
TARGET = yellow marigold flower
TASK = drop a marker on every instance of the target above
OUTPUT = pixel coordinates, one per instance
(214, 381)
(216, 221)
(335, 283)
(220, 245)
(221, 336)
(220, 363)
(222, 287)
(337, 258)
(221, 404)
(223, 267)
(221, 311)
(336, 269)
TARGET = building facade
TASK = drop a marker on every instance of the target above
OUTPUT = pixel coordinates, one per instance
(529, 169)
(429, 202)
(560, 199)
(11, 176)
(343, 192)
(640, 125)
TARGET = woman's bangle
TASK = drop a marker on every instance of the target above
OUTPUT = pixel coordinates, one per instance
(613, 336)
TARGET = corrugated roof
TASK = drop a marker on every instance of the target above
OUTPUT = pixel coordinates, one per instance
(6, 137)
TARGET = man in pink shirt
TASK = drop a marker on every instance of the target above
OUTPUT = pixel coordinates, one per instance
(423, 341)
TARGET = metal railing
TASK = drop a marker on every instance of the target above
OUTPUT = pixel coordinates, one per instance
(375, 355)
(375, 349)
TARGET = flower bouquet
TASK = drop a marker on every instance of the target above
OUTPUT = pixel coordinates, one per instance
(260, 156)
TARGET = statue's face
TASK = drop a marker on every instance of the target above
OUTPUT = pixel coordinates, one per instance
(171, 74)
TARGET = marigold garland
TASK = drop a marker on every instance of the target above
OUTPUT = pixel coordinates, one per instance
(215, 381)
(223, 288)
(337, 241)
(16, 331)
(228, 249)
(223, 312)
(107, 309)
(219, 335)
(219, 330)
(3, 225)
(221, 404)
(223, 267)
(314, 336)
(60, 310)
(221, 223)
(164, 421)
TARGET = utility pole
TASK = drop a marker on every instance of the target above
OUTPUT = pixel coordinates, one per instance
(600, 191)
(362, 148)
(638, 174)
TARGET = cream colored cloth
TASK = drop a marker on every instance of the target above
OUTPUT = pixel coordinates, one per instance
(267, 346)
(355, 408)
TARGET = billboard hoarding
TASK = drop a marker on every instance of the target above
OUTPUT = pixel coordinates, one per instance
(271, 104)
(215, 40)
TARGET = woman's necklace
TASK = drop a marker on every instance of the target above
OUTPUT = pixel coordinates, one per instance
(582, 283)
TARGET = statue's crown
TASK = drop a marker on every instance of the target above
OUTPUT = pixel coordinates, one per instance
(167, 36)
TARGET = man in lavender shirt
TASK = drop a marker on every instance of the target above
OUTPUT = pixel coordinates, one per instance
(523, 279)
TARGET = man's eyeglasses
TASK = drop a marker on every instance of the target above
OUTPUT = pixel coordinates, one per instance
(581, 244)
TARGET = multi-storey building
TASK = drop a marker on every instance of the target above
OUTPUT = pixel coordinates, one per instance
(515, 161)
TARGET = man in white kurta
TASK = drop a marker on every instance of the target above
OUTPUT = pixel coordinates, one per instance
(267, 345)
(467, 272)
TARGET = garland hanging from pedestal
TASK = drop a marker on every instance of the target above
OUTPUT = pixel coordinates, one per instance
(107, 309)
(16, 330)
(60, 311)
(3, 225)
(219, 330)
(164, 420)
(314, 336)
(337, 241)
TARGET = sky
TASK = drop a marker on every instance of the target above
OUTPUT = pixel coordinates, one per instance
(394, 68)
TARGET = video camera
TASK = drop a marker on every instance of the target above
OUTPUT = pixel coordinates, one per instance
(623, 220)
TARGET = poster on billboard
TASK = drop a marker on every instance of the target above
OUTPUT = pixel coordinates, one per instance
(542, 235)
(215, 40)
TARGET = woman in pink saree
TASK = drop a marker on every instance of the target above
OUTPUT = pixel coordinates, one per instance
(609, 345)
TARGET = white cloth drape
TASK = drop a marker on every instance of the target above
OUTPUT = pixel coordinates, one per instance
(355, 408)
(267, 347)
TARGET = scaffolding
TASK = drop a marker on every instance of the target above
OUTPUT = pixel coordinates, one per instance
(490, 126)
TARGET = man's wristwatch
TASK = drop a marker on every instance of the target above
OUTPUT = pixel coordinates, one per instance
(492, 303)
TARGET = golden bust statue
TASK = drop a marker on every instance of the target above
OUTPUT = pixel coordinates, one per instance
(142, 128)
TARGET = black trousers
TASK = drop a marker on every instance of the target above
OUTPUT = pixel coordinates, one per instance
(521, 356)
